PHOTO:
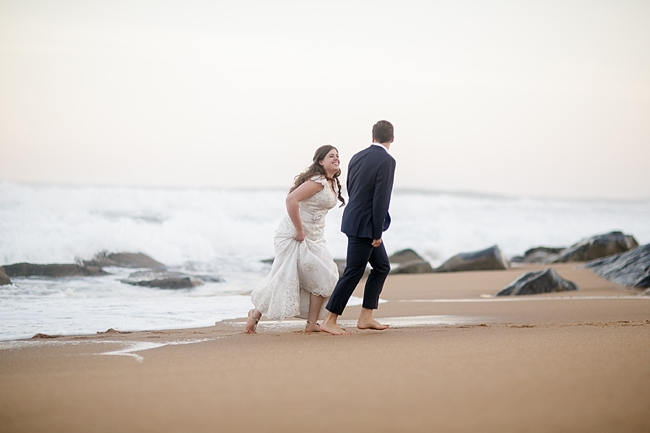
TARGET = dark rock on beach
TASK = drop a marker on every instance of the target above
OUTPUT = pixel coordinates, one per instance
(644, 281)
(631, 268)
(538, 255)
(40, 336)
(4, 278)
(533, 283)
(52, 270)
(487, 259)
(597, 246)
(208, 278)
(162, 280)
(408, 261)
(404, 256)
(112, 331)
(124, 260)
(414, 267)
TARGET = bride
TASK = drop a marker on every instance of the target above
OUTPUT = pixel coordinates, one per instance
(303, 274)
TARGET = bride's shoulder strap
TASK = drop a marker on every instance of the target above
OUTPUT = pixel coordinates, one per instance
(319, 178)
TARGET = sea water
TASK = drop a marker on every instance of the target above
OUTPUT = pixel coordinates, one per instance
(225, 233)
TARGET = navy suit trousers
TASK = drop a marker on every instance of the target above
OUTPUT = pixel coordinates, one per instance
(360, 253)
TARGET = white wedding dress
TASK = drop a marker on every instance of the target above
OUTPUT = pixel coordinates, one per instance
(300, 268)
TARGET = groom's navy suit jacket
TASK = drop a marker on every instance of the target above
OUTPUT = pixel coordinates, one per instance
(370, 182)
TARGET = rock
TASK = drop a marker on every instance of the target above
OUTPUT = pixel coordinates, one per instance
(208, 278)
(487, 259)
(597, 246)
(405, 256)
(40, 336)
(644, 281)
(631, 268)
(646, 292)
(124, 260)
(408, 262)
(538, 255)
(162, 280)
(413, 267)
(268, 261)
(52, 270)
(112, 331)
(4, 278)
(533, 283)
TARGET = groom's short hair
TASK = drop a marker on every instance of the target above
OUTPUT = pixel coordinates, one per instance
(382, 132)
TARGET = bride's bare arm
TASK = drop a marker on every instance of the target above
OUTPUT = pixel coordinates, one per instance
(303, 192)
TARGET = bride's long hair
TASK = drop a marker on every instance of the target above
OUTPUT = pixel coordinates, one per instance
(316, 169)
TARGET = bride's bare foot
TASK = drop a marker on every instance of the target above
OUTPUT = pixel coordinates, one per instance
(371, 324)
(251, 323)
(312, 327)
(333, 328)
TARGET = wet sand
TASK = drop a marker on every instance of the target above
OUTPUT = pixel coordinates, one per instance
(456, 359)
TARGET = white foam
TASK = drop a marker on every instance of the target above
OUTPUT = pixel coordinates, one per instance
(233, 228)
(141, 346)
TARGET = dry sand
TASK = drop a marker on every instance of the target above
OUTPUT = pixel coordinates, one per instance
(453, 361)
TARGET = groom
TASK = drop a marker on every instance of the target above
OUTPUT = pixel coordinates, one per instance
(370, 182)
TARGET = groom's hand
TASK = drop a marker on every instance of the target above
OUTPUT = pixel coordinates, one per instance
(376, 242)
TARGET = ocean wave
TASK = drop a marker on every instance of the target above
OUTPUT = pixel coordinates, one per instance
(226, 233)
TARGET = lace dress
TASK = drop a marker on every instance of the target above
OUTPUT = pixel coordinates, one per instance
(300, 268)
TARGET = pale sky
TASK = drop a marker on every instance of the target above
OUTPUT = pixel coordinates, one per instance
(541, 98)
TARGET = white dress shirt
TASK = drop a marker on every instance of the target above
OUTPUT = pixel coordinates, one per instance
(380, 145)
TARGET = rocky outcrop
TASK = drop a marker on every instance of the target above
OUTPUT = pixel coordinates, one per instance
(538, 255)
(52, 270)
(487, 259)
(412, 268)
(4, 278)
(631, 268)
(404, 256)
(596, 247)
(40, 336)
(644, 281)
(408, 262)
(124, 260)
(112, 331)
(162, 280)
(533, 283)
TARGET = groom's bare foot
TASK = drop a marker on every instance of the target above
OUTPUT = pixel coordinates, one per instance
(312, 327)
(371, 324)
(333, 328)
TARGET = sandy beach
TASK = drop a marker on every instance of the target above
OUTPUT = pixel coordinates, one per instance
(456, 359)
